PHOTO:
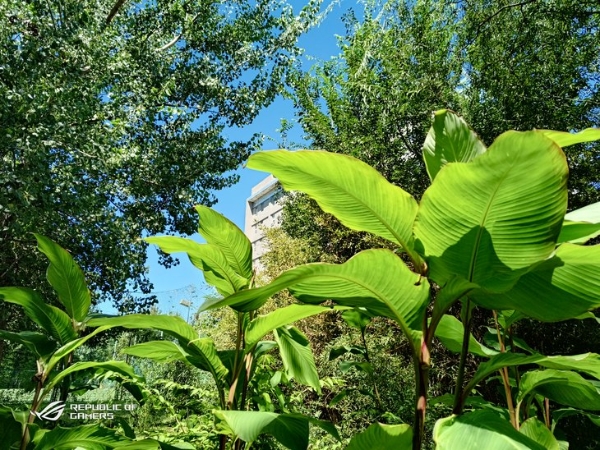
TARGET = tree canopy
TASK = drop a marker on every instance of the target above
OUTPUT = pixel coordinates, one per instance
(114, 121)
(501, 65)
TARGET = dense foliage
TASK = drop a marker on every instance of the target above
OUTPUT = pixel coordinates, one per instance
(113, 118)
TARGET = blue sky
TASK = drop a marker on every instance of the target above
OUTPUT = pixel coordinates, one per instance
(320, 44)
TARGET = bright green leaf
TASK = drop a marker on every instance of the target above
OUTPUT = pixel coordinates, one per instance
(291, 430)
(377, 280)
(564, 139)
(480, 430)
(54, 321)
(206, 257)
(359, 196)
(490, 219)
(383, 437)
(560, 288)
(297, 357)
(450, 332)
(263, 325)
(450, 139)
(538, 432)
(224, 234)
(67, 279)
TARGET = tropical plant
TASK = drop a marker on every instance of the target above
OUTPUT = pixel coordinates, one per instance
(226, 262)
(60, 334)
(490, 232)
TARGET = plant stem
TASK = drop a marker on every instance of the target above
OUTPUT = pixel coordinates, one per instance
(368, 359)
(458, 397)
(422, 364)
(505, 378)
(39, 383)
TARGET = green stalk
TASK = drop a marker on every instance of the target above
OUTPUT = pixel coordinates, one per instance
(422, 362)
(466, 318)
(368, 359)
(505, 378)
(35, 404)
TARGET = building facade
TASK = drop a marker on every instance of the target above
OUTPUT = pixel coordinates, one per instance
(263, 210)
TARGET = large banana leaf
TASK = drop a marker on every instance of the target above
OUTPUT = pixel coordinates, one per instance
(450, 139)
(159, 351)
(588, 363)
(67, 279)
(480, 430)
(70, 347)
(297, 356)
(280, 317)
(383, 437)
(89, 437)
(561, 386)
(538, 432)
(54, 321)
(291, 430)
(581, 225)
(377, 280)
(564, 139)
(490, 219)
(206, 257)
(560, 288)
(201, 348)
(224, 234)
(359, 196)
(35, 342)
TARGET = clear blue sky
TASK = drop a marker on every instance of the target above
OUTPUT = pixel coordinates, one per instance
(320, 44)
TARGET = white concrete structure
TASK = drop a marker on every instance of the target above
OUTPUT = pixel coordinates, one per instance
(263, 210)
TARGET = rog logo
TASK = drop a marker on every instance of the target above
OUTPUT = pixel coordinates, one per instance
(51, 412)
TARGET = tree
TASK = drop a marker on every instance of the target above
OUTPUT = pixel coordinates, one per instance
(113, 122)
(502, 65)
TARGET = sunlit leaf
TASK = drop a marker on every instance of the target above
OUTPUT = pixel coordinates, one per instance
(359, 196)
(217, 230)
(489, 220)
(66, 278)
(383, 437)
(450, 139)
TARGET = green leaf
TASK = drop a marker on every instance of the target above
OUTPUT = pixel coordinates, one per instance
(480, 430)
(202, 349)
(360, 366)
(70, 347)
(377, 280)
(206, 257)
(291, 430)
(455, 289)
(10, 429)
(559, 414)
(159, 351)
(560, 288)
(90, 437)
(224, 234)
(560, 386)
(450, 139)
(263, 325)
(359, 196)
(357, 318)
(118, 367)
(383, 437)
(37, 343)
(588, 363)
(336, 352)
(538, 432)
(67, 279)
(578, 232)
(297, 356)
(54, 321)
(450, 332)
(564, 139)
(581, 225)
(490, 219)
